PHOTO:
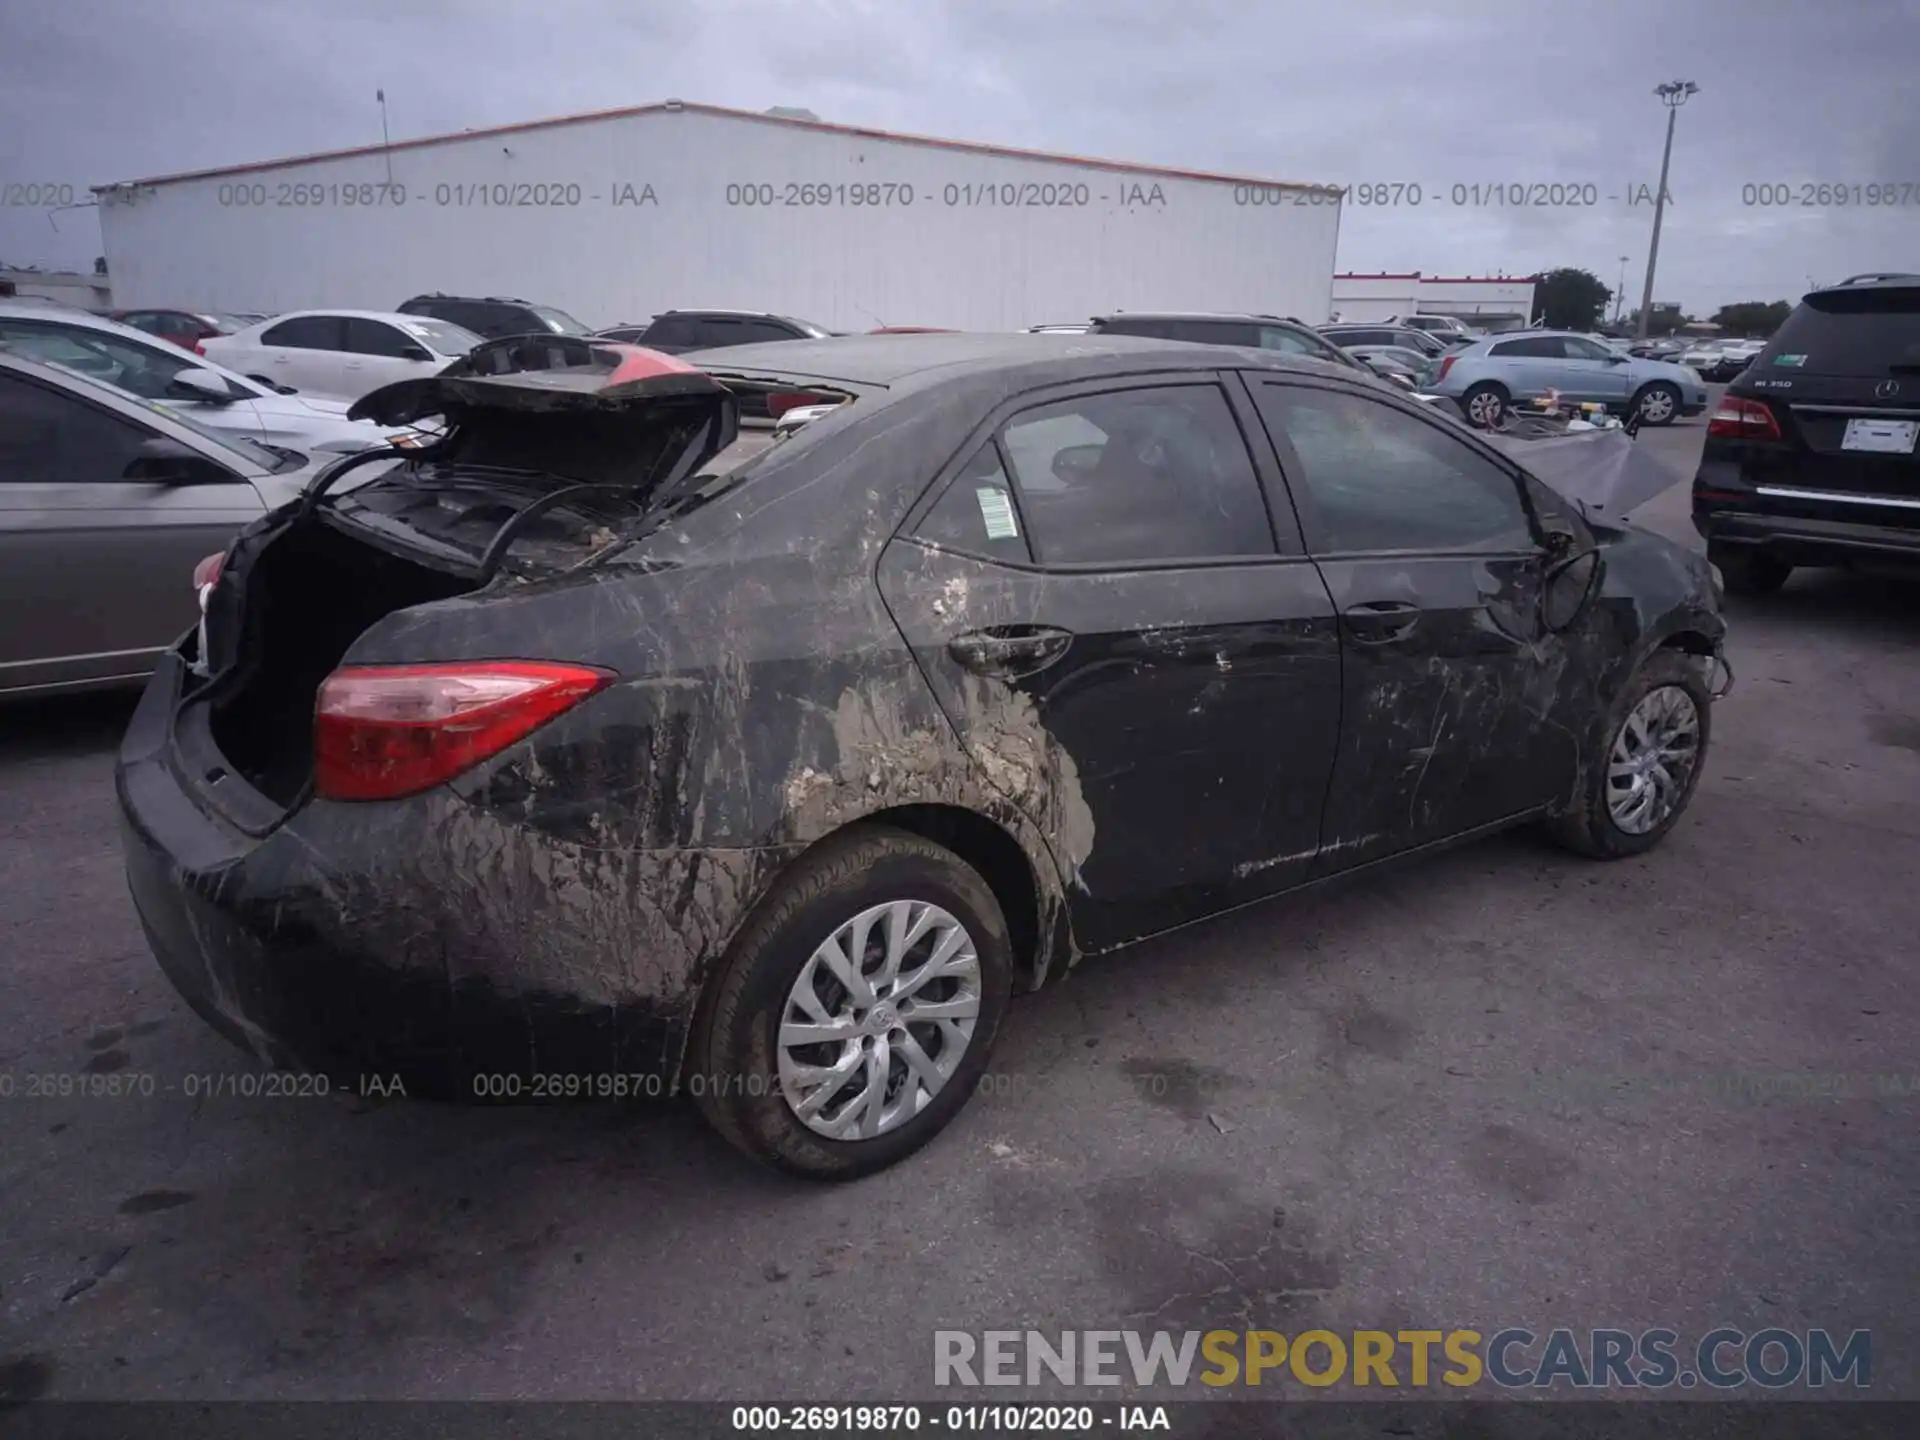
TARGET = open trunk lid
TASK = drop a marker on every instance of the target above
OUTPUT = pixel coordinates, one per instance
(554, 450)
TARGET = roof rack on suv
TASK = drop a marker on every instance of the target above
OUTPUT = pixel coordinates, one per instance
(1876, 275)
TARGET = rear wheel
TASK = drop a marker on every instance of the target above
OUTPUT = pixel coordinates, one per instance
(1643, 774)
(1485, 404)
(857, 1010)
(1657, 404)
(1749, 572)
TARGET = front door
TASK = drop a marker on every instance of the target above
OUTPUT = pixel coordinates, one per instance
(1130, 650)
(1594, 372)
(96, 563)
(1451, 685)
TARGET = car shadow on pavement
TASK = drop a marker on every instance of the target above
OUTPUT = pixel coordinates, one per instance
(63, 726)
(1876, 604)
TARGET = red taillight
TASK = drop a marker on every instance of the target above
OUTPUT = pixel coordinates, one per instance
(383, 731)
(1738, 419)
(199, 349)
(207, 572)
(1446, 364)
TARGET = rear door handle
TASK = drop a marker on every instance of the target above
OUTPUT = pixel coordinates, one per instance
(1379, 622)
(1010, 651)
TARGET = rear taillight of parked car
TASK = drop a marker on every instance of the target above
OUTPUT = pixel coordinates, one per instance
(384, 731)
(1739, 419)
(1446, 364)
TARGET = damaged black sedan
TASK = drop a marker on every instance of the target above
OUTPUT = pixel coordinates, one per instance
(606, 749)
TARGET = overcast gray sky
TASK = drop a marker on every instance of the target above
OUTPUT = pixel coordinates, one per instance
(1533, 92)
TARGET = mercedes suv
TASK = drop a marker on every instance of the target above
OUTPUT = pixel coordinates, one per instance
(1810, 457)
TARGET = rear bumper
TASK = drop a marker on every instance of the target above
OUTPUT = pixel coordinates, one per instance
(1805, 540)
(425, 939)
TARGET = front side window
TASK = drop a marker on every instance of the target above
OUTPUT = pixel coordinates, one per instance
(371, 337)
(1137, 476)
(1371, 477)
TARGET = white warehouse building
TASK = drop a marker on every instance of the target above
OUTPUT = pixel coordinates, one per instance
(618, 215)
(1490, 302)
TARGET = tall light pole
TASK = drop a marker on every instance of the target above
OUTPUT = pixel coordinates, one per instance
(1620, 294)
(1673, 95)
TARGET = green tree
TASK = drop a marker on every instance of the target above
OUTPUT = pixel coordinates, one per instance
(1752, 317)
(1571, 299)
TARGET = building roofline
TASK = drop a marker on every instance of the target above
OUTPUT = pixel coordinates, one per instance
(721, 111)
(1383, 275)
(1480, 279)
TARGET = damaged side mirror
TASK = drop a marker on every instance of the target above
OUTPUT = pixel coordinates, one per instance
(1569, 589)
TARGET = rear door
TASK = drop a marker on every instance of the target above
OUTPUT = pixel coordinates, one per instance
(1451, 708)
(1134, 651)
(304, 352)
(96, 563)
(1530, 366)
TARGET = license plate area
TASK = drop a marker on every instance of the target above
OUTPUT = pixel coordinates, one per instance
(1880, 437)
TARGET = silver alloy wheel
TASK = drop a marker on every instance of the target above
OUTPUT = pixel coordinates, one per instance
(1485, 408)
(1652, 759)
(878, 1020)
(1656, 406)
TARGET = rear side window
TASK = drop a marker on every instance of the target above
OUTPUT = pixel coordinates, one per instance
(1868, 333)
(1374, 478)
(307, 332)
(1537, 347)
(1137, 476)
(977, 514)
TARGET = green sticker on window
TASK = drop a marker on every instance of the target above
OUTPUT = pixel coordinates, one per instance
(996, 511)
(1789, 359)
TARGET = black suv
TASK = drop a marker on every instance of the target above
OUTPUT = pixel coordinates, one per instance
(495, 316)
(675, 331)
(1256, 332)
(1810, 458)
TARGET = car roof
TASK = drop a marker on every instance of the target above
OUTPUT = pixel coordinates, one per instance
(1193, 315)
(396, 317)
(737, 314)
(887, 361)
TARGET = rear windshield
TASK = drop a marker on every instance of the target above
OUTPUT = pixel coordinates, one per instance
(1866, 332)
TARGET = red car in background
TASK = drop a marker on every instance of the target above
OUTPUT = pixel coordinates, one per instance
(185, 328)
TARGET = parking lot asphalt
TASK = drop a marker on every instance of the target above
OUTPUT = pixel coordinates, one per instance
(1505, 1087)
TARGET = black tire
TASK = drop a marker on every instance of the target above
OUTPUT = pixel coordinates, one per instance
(1662, 390)
(1486, 394)
(1749, 572)
(1588, 827)
(733, 1071)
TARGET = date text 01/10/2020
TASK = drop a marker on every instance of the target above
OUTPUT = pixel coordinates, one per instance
(459, 195)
